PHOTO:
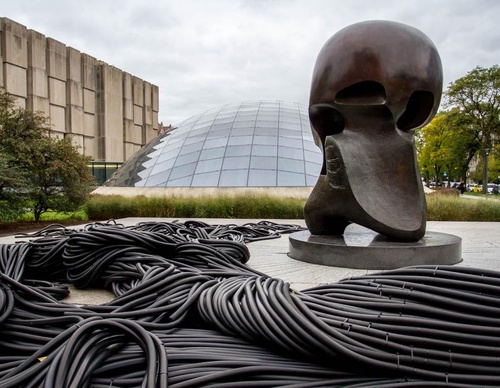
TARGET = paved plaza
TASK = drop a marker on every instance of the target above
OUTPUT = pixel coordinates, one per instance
(480, 249)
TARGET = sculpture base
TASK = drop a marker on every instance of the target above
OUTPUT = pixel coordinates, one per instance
(363, 248)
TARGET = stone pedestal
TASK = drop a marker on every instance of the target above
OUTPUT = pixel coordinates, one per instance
(363, 248)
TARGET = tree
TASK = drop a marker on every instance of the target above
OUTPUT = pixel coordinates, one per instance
(477, 96)
(56, 174)
(13, 201)
(445, 145)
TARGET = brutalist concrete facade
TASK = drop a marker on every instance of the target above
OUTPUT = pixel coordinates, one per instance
(110, 113)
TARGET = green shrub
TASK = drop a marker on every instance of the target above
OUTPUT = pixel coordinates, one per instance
(239, 206)
(453, 208)
(440, 207)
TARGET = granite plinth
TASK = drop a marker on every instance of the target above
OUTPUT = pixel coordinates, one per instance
(365, 249)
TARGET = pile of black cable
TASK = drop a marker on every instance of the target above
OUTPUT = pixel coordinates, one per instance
(188, 312)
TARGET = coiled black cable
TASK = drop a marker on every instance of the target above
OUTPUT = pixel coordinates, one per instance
(188, 312)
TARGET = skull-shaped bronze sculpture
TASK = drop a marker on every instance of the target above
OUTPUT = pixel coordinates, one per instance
(373, 84)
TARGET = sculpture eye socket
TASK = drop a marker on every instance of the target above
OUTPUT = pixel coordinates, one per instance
(326, 120)
(362, 93)
(418, 110)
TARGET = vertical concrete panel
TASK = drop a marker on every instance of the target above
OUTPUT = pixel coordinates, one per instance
(74, 92)
(56, 59)
(57, 118)
(110, 113)
(14, 43)
(89, 146)
(38, 90)
(89, 69)
(16, 80)
(15, 60)
(148, 108)
(57, 92)
(90, 125)
(155, 98)
(78, 141)
(128, 102)
(89, 103)
(138, 91)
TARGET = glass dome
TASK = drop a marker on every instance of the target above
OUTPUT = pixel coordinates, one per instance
(251, 144)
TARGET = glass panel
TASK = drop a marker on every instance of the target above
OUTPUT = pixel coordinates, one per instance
(168, 154)
(208, 165)
(237, 140)
(210, 179)
(233, 178)
(179, 134)
(188, 158)
(242, 131)
(265, 140)
(290, 133)
(219, 133)
(229, 116)
(214, 143)
(199, 132)
(264, 150)
(311, 180)
(313, 169)
(260, 178)
(182, 171)
(310, 146)
(149, 163)
(163, 166)
(191, 140)
(263, 162)
(287, 125)
(243, 123)
(238, 150)
(236, 163)
(266, 131)
(174, 143)
(212, 153)
(182, 182)
(144, 173)
(187, 149)
(291, 142)
(158, 179)
(292, 153)
(315, 157)
(291, 179)
(294, 120)
(220, 124)
(245, 114)
(291, 165)
(266, 123)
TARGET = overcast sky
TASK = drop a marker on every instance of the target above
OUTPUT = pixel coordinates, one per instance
(203, 54)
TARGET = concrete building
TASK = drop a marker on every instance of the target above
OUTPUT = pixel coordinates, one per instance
(110, 113)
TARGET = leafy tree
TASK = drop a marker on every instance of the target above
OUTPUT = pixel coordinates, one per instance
(12, 198)
(477, 97)
(445, 145)
(56, 174)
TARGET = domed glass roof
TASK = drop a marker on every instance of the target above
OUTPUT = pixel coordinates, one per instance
(251, 144)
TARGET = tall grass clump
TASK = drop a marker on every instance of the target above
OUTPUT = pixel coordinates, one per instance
(454, 208)
(224, 206)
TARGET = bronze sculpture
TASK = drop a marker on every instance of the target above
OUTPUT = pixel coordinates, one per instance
(373, 84)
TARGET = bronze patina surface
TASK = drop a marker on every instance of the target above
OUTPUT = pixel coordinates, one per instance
(373, 84)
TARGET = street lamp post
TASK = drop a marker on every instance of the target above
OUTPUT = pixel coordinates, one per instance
(485, 169)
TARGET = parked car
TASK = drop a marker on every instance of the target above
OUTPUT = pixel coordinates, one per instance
(492, 188)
